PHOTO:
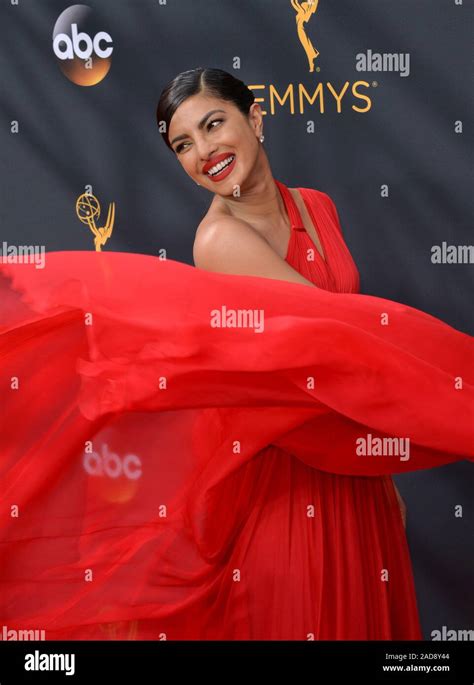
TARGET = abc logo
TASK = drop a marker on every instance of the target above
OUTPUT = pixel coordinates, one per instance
(112, 465)
(81, 46)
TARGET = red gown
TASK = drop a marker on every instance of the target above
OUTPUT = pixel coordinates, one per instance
(178, 446)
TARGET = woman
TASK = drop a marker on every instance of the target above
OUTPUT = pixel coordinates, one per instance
(193, 459)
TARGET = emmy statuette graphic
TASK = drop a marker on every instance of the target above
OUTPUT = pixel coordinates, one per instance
(304, 12)
(88, 210)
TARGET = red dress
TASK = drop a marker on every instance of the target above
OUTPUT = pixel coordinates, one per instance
(178, 446)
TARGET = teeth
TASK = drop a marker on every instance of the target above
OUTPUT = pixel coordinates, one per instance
(218, 167)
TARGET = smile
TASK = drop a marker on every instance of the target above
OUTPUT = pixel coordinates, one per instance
(222, 169)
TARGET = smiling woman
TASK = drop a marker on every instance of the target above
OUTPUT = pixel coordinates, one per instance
(211, 122)
(221, 138)
(256, 226)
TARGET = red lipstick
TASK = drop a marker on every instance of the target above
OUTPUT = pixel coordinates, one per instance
(220, 174)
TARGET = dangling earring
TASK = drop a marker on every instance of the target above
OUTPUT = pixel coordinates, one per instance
(262, 138)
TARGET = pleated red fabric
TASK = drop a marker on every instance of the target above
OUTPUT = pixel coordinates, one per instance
(193, 455)
(335, 270)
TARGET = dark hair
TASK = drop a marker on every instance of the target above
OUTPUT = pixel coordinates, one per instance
(214, 82)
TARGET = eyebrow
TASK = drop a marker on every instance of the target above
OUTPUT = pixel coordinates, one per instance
(200, 125)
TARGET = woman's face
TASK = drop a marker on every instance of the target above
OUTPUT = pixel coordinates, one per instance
(216, 145)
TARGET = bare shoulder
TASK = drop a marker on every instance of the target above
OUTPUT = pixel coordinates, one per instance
(217, 225)
(215, 215)
(219, 235)
(225, 244)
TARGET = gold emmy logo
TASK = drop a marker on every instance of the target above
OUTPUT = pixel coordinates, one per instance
(304, 12)
(87, 210)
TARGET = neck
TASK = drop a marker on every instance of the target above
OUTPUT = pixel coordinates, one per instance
(260, 202)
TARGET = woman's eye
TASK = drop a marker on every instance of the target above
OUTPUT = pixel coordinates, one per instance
(209, 126)
(213, 122)
(180, 147)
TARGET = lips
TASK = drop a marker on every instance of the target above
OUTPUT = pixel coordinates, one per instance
(215, 160)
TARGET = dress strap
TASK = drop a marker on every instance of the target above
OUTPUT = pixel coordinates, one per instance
(291, 207)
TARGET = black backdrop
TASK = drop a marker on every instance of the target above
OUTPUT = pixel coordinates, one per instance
(59, 139)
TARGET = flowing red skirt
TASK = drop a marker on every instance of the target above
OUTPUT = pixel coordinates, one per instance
(164, 477)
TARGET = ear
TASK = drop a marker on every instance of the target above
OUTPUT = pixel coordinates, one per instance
(256, 117)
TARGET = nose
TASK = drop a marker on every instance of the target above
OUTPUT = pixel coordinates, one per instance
(206, 149)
